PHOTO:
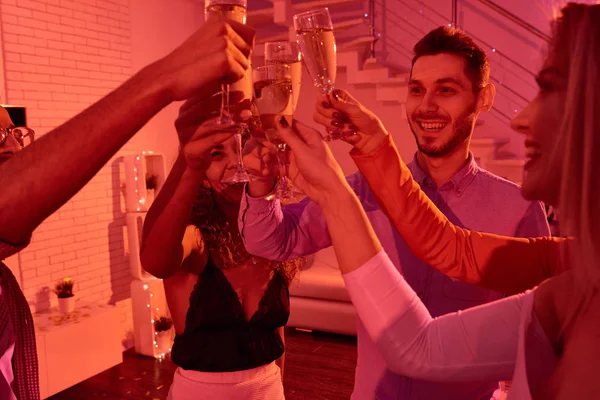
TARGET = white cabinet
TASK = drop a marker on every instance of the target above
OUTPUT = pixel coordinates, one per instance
(74, 347)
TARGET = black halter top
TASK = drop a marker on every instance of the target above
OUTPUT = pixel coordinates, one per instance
(218, 337)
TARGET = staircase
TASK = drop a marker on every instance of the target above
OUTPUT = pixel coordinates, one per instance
(374, 46)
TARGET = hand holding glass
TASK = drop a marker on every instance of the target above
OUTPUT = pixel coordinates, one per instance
(314, 31)
(274, 99)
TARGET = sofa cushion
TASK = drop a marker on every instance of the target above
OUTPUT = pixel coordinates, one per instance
(321, 279)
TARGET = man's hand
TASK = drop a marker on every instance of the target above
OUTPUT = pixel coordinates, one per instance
(217, 53)
(198, 109)
(345, 112)
(196, 151)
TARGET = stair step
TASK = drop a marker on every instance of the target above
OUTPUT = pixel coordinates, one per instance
(347, 24)
(489, 142)
(349, 60)
(358, 43)
(509, 169)
(265, 15)
(391, 95)
(371, 76)
(371, 63)
(273, 38)
(486, 149)
(397, 80)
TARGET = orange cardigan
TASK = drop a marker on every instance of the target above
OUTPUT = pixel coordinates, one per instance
(504, 264)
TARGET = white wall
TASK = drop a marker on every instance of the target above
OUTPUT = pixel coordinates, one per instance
(157, 28)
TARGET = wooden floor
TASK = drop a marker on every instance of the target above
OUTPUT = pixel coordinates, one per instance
(317, 366)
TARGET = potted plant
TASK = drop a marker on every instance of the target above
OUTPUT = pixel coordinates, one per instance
(151, 184)
(66, 298)
(162, 329)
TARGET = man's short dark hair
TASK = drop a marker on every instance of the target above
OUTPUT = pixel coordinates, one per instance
(449, 40)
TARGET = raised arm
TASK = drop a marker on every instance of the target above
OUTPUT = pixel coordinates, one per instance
(163, 247)
(458, 347)
(282, 233)
(168, 238)
(478, 343)
(43, 176)
(278, 232)
(504, 264)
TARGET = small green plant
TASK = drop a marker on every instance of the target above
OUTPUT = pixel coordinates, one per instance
(163, 324)
(64, 288)
(151, 182)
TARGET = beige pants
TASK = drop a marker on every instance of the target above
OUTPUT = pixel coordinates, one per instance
(261, 383)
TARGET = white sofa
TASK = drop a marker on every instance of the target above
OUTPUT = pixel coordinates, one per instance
(318, 297)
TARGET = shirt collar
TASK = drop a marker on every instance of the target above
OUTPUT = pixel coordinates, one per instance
(459, 182)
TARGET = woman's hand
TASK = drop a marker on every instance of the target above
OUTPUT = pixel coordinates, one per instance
(197, 131)
(196, 151)
(344, 112)
(313, 169)
(261, 160)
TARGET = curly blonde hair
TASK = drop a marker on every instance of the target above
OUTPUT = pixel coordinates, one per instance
(224, 241)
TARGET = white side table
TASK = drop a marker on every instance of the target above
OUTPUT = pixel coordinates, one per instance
(76, 346)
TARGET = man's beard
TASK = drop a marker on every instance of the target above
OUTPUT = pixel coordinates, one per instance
(460, 132)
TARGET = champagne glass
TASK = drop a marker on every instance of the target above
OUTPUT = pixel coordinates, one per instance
(273, 96)
(314, 31)
(233, 10)
(287, 53)
(228, 9)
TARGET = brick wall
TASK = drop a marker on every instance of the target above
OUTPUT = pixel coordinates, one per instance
(61, 56)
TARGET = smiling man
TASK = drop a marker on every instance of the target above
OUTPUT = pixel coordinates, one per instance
(448, 89)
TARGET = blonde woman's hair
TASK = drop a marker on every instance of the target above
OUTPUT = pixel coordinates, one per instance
(576, 46)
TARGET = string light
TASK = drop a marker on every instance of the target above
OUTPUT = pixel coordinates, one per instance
(154, 312)
(152, 321)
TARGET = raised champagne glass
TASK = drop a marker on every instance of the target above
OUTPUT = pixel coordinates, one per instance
(274, 99)
(287, 53)
(234, 10)
(314, 31)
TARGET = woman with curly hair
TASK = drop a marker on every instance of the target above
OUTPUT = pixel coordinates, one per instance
(228, 307)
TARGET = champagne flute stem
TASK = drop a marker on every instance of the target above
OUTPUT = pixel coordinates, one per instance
(282, 161)
(224, 101)
(238, 147)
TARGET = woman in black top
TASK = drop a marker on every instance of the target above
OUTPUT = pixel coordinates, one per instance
(228, 307)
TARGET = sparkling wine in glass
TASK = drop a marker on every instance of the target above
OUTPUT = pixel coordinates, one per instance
(234, 10)
(273, 96)
(287, 53)
(314, 31)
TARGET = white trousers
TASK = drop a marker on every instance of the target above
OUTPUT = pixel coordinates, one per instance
(261, 383)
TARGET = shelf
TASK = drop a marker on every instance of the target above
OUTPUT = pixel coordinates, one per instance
(138, 168)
